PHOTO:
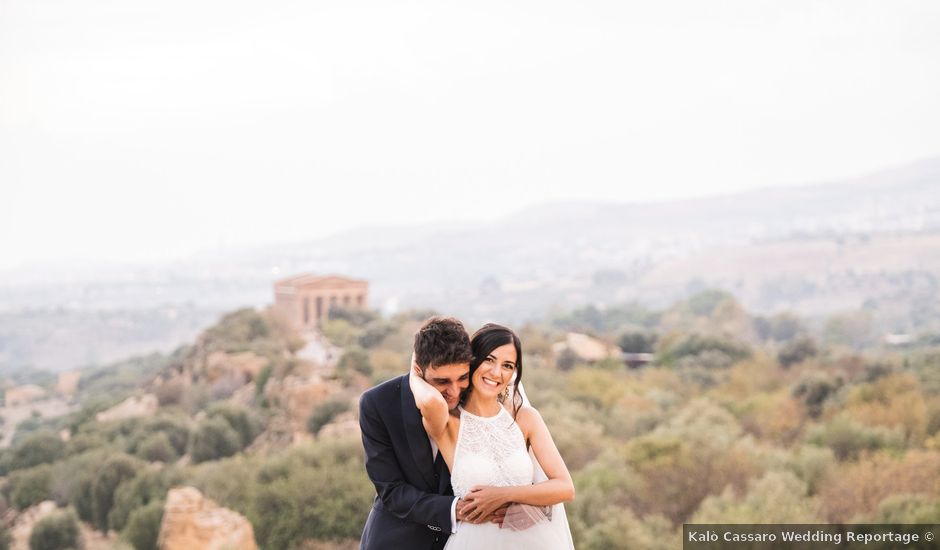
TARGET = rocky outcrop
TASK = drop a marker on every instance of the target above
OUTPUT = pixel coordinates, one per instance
(298, 396)
(22, 395)
(245, 365)
(343, 426)
(132, 407)
(193, 522)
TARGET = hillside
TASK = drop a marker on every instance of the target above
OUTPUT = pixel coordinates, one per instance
(739, 418)
(818, 250)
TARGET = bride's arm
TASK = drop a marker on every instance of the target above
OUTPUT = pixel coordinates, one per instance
(558, 487)
(430, 402)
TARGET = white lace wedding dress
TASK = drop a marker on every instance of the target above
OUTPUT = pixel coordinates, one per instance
(492, 451)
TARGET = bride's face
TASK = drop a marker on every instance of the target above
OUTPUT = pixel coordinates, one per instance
(495, 372)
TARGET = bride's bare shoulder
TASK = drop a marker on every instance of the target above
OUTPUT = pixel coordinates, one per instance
(527, 417)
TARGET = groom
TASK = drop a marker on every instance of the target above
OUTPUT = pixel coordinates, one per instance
(414, 505)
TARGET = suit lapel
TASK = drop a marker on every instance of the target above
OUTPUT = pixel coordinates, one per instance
(418, 440)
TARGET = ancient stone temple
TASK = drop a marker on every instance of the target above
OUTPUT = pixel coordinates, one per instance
(306, 299)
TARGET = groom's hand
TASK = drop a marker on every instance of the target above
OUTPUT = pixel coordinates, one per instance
(499, 516)
(496, 517)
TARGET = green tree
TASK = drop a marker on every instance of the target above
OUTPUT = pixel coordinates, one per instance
(355, 359)
(236, 331)
(908, 509)
(148, 486)
(325, 412)
(781, 327)
(242, 420)
(30, 486)
(143, 526)
(637, 342)
(38, 448)
(157, 448)
(693, 345)
(57, 531)
(619, 529)
(312, 493)
(777, 497)
(354, 316)
(341, 332)
(214, 438)
(115, 471)
(848, 439)
(813, 389)
(796, 351)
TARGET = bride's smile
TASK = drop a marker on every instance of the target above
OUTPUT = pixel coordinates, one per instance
(495, 372)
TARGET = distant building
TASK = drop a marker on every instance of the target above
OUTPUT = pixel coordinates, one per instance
(68, 383)
(585, 347)
(306, 300)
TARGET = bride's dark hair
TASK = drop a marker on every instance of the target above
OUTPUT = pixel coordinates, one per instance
(489, 337)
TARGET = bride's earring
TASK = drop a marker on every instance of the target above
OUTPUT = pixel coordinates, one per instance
(504, 395)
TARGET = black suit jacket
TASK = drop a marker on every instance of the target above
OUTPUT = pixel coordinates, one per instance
(413, 501)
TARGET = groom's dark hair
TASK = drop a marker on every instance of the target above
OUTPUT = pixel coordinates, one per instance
(442, 341)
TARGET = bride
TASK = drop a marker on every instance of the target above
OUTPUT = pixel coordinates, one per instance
(496, 445)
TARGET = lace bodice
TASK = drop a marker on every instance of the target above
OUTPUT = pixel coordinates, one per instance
(490, 451)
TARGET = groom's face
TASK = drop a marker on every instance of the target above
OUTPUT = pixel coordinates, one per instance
(450, 380)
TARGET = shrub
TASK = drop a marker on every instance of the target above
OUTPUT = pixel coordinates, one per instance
(355, 359)
(375, 333)
(38, 448)
(908, 509)
(149, 486)
(354, 316)
(781, 327)
(848, 439)
(341, 332)
(857, 489)
(796, 351)
(696, 344)
(778, 497)
(236, 331)
(813, 389)
(143, 526)
(72, 479)
(316, 493)
(57, 531)
(176, 428)
(30, 486)
(325, 412)
(240, 419)
(214, 438)
(697, 453)
(621, 529)
(115, 471)
(170, 392)
(84, 442)
(637, 342)
(262, 379)
(566, 360)
(157, 448)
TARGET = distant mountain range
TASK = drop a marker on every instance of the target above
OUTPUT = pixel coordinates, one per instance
(815, 249)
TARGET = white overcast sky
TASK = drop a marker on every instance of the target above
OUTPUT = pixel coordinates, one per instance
(147, 130)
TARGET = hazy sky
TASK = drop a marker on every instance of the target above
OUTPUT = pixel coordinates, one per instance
(149, 130)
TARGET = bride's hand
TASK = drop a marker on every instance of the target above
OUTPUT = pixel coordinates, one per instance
(482, 502)
(415, 368)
